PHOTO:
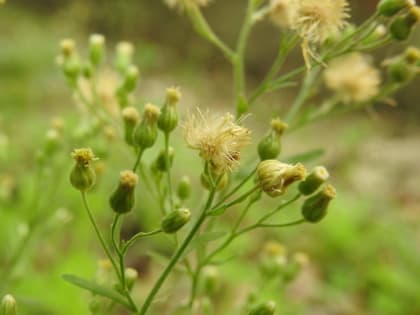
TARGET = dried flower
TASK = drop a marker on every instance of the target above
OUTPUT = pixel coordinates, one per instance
(275, 176)
(353, 78)
(282, 12)
(219, 139)
(315, 20)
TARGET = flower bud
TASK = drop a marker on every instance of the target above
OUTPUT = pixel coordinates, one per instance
(298, 262)
(96, 48)
(175, 220)
(131, 276)
(123, 198)
(270, 146)
(68, 47)
(266, 308)
(399, 71)
(412, 55)
(275, 176)
(314, 209)
(168, 118)
(314, 180)
(273, 258)
(52, 142)
(184, 188)
(391, 7)
(8, 305)
(83, 176)
(145, 134)
(124, 56)
(130, 79)
(161, 163)
(131, 117)
(402, 26)
(210, 280)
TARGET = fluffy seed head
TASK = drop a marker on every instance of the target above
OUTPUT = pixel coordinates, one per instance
(316, 20)
(353, 78)
(219, 139)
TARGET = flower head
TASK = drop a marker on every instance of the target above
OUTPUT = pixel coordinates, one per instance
(83, 156)
(353, 78)
(219, 139)
(316, 20)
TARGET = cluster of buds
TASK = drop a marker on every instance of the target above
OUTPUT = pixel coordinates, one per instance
(403, 68)
(270, 146)
(407, 15)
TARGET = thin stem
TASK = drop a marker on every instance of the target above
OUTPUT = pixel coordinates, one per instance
(235, 201)
(139, 155)
(98, 233)
(168, 173)
(177, 255)
(266, 225)
(283, 205)
(136, 237)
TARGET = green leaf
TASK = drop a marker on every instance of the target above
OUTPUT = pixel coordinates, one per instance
(97, 289)
(307, 156)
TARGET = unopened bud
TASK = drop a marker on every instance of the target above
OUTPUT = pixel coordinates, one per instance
(391, 7)
(96, 48)
(275, 176)
(8, 305)
(52, 142)
(130, 79)
(402, 26)
(83, 176)
(314, 180)
(67, 47)
(211, 280)
(412, 55)
(131, 117)
(270, 146)
(131, 276)
(400, 71)
(123, 198)
(145, 134)
(184, 188)
(175, 220)
(315, 208)
(168, 118)
(266, 308)
(161, 162)
(124, 56)
(273, 258)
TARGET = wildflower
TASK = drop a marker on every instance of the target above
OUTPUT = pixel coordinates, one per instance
(168, 120)
(123, 198)
(219, 139)
(282, 12)
(145, 134)
(275, 176)
(315, 20)
(315, 208)
(131, 117)
(186, 3)
(353, 78)
(83, 176)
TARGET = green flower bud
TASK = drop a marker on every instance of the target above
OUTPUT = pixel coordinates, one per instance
(205, 182)
(123, 198)
(160, 163)
(83, 176)
(270, 146)
(130, 79)
(96, 48)
(391, 7)
(175, 220)
(210, 280)
(298, 262)
(131, 117)
(314, 180)
(87, 70)
(273, 259)
(71, 68)
(275, 176)
(145, 134)
(67, 47)
(168, 118)
(399, 71)
(402, 26)
(8, 305)
(124, 56)
(266, 308)
(184, 188)
(131, 276)
(314, 209)
(52, 142)
(412, 55)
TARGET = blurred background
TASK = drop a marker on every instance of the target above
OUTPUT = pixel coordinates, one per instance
(365, 257)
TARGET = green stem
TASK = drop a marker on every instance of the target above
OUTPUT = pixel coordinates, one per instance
(266, 225)
(235, 201)
(98, 233)
(177, 255)
(136, 237)
(136, 164)
(168, 173)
